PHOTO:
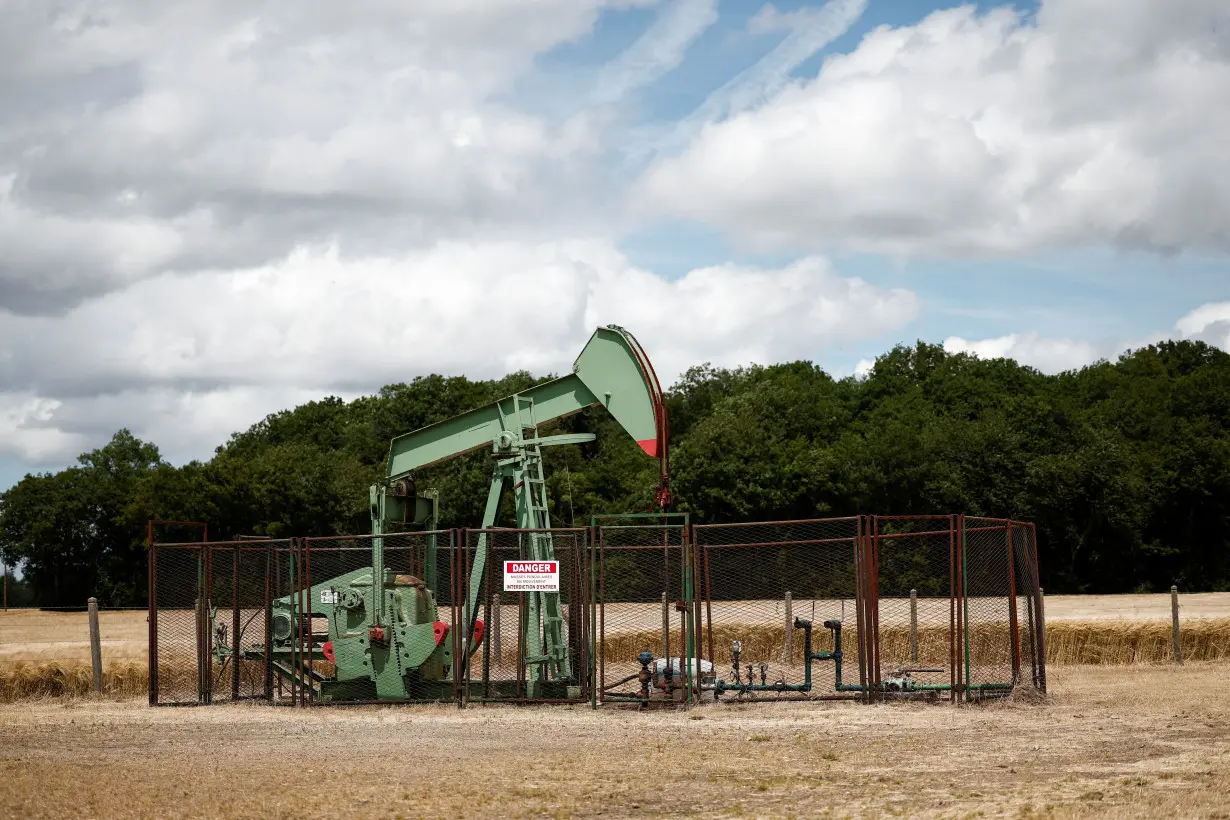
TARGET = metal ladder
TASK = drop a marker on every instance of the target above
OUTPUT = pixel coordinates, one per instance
(550, 647)
(531, 465)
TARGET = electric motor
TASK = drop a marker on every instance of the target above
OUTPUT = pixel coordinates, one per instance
(281, 626)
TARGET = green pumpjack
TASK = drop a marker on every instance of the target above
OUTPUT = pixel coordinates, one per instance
(380, 628)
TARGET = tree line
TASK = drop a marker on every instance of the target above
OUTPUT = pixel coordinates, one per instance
(1123, 466)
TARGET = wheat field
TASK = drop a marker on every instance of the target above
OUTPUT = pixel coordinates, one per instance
(47, 653)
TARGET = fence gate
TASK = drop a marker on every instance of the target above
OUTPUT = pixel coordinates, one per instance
(209, 620)
(1029, 615)
(913, 610)
(645, 601)
(760, 584)
(179, 668)
(535, 645)
(952, 607)
(336, 601)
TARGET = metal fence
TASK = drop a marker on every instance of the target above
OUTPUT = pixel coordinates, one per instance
(912, 603)
(760, 584)
(645, 603)
(659, 613)
(209, 618)
(371, 608)
(534, 645)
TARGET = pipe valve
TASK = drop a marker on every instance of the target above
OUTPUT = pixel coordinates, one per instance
(644, 659)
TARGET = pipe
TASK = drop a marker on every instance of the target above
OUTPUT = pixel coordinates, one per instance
(720, 686)
(835, 656)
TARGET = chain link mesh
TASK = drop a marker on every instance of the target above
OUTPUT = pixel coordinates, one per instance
(178, 657)
(756, 579)
(285, 582)
(518, 626)
(406, 559)
(923, 604)
(1028, 605)
(989, 644)
(913, 614)
(241, 586)
(641, 604)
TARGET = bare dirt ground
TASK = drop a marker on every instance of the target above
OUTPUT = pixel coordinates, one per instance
(34, 636)
(1135, 742)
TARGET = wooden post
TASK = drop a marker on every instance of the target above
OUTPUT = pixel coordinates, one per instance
(1174, 624)
(495, 627)
(789, 657)
(914, 626)
(95, 645)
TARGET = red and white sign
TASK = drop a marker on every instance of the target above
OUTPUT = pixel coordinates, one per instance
(531, 576)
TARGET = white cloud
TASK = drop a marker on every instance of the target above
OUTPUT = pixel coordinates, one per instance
(186, 359)
(212, 211)
(1209, 323)
(47, 254)
(1095, 122)
(731, 315)
(1049, 355)
(26, 429)
(807, 31)
(141, 137)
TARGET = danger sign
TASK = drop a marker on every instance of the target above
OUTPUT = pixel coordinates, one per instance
(531, 576)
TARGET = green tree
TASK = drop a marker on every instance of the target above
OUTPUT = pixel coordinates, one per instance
(1124, 466)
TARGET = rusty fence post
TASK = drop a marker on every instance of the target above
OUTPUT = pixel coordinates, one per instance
(1174, 624)
(95, 645)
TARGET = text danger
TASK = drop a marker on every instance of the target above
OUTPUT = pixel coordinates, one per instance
(531, 576)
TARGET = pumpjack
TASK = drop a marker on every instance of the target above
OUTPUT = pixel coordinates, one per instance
(385, 639)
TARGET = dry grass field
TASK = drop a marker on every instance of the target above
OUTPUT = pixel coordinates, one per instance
(31, 635)
(1112, 742)
(48, 653)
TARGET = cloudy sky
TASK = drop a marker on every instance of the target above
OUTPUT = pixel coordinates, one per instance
(213, 210)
